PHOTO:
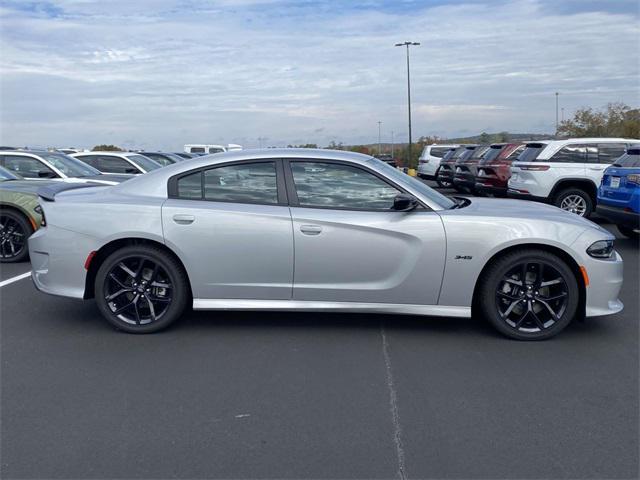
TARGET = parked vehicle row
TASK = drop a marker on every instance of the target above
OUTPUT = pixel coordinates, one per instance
(565, 173)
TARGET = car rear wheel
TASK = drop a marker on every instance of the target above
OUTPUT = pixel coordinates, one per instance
(141, 289)
(442, 183)
(574, 200)
(14, 232)
(529, 295)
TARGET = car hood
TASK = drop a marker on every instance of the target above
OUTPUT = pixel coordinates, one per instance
(521, 210)
(25, 186)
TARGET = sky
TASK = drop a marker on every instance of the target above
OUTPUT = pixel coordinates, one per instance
(157, 74)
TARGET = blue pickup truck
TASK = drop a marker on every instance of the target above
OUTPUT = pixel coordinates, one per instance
(619, 193)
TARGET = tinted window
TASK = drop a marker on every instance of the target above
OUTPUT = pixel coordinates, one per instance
(28, 167)
(197, 149)
(333, 185)
(479, 152)
(458, 152)
(145, 162)
(516, 153)
(112, 164)
(215, 150)
(439, 152)
(162, 159)
(449, 155)
(492, 153)
(629, 159)
(609, 152)
(570, 154)
(90, 160)
(531, 152)
(71, 167)
(190, 186)
(465, 155)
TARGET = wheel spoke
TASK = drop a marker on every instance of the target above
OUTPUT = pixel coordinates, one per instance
(551, 282)
(160, 285)
(523, 274)
(139, 270)
(521, 319)
(117, 294)
(551, 311)
(540, 274)
(130, 272)
(115, 279)
(135, 307)
(124, 307)
(155, 298)
(508, 296)
(554, 297)
(511, 307)
(152, 310)
(514, 282)
(539, 322)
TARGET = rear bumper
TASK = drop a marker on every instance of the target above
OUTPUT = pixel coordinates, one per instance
(619, 216)
(466, 180)
(445, 174)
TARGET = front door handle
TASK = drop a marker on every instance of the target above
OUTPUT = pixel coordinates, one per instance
(311, 229)
(182, 219)
(595, 169)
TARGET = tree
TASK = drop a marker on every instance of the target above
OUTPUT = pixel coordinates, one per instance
(484, 138)
(107, 148)
(616, 120)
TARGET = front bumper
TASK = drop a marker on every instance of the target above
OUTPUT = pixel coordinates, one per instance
(619, 216)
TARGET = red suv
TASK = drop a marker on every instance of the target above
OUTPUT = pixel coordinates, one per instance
(494, 168)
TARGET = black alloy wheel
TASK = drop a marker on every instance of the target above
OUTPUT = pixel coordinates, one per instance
(14, 232)
(141, 289)
(530, 295)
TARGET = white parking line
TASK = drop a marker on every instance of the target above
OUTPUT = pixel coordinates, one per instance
(11, 280)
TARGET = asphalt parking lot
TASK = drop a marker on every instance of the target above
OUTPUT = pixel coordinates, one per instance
(314, 395)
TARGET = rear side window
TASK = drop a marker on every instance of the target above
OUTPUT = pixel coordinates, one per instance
(197, 150)
(491, 154)
(243, 183)
(631, 159)
(112, 164)
(90, 160)
(570, 154)
(516, 153)
(531, 152)
(609, 152)
(161, 159)
(438, 152)
(449, 155)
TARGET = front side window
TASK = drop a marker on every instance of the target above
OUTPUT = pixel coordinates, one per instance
(609, 152)
(28, 167)
(334, 185)
(70, 166)
(571, 154)
(113, 164)
(242, 183)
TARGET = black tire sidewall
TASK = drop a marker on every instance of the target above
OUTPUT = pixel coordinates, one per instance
(26, 228)
(575, 191)
(497, 271)
(171, 267)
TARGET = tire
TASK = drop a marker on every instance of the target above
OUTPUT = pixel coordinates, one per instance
(15, 229)
(574, 200)
(525, 313)
(150, 278)
(628, 232)
(442, 183)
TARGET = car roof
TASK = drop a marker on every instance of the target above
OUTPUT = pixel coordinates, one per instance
(154, 183)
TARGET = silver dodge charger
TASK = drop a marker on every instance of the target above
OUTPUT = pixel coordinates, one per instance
(302, 229)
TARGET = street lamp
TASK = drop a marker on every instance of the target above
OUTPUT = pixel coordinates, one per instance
(379, 141)
(407, 44)
(557, 114)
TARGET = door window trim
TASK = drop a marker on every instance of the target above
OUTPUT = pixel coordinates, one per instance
(172, 183)
(293, 195)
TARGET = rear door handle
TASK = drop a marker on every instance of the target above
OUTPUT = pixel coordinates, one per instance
(597, 169)
(311, 229)
(182, 219)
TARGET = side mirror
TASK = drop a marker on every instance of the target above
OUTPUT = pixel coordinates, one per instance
(46, 174)
(403, 202)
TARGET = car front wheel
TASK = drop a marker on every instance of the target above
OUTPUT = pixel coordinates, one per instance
(14, 232)
(529, 295)
(141, 289)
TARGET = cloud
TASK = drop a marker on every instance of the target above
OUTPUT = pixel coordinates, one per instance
(81, 72)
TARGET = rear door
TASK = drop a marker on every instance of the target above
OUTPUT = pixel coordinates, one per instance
(232, 228)
(570, 161)
(351, 247)
(606, 153)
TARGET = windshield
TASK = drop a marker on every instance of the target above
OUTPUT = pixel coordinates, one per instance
(145, 162)
(428, 192)
(531, 152)
(631, 159)
(8, 175)
(492, 153)
(71, 167)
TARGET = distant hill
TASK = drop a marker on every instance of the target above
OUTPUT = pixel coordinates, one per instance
(513, 137)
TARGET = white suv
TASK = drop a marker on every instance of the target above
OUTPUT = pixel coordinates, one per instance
(430, 159)
(565, 173)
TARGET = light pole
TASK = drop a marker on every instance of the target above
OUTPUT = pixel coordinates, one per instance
(562, 114)
(391, 143)
(379, 141)
(556, 114)
(407, 44)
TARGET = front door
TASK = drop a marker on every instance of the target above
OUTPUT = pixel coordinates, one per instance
(351, 247)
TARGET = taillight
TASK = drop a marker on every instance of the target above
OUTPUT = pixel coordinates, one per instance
(534, 168)
(633, 178)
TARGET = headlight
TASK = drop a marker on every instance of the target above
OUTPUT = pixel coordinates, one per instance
(601, 249)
